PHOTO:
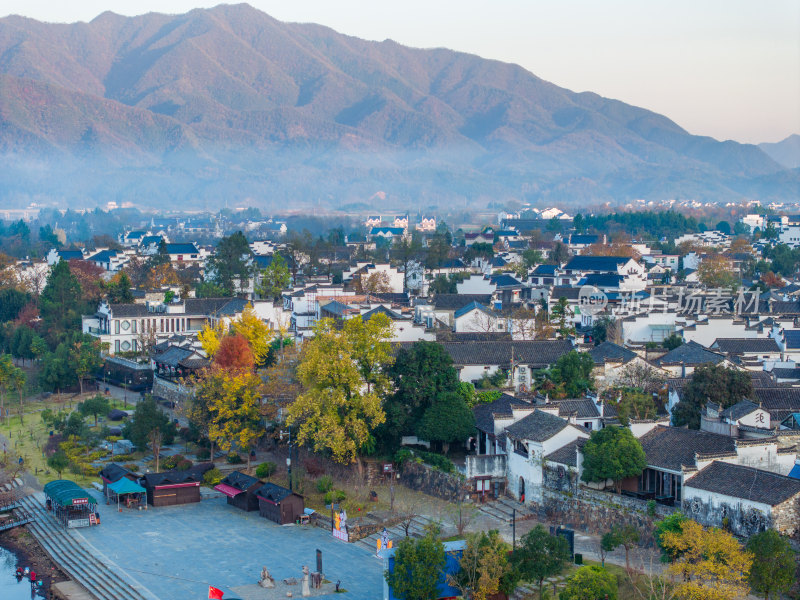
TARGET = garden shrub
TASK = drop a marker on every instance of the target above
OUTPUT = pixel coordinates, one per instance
(265, 469)
(204, 453)
(212, 477)
(324, 484)
(234, 459)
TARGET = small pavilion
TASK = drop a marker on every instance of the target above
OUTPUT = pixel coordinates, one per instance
(127, 493)
(72, 506)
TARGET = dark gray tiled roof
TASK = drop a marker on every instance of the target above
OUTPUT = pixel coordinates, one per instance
(537, 353)
(381, 309)
(582, 408)
(537, 427)
(240, 481)
(742, 345)
(114, 472)
(485, 413)
(779, 402)
(595, 263)
(570, 293)
(739, 410)
(690, 353)
(193, 474)
(783, 307)
(611, 352)
(271, 491)
(472, 336)
(746, 483)
(671, 447)
(456, 301)
(786, 373)
(173, 355)
(194, 307)
(567, 455)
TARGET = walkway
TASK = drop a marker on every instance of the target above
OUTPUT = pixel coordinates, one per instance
(176, 552)
(83, 564)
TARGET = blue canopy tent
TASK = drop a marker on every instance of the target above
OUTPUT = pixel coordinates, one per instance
(134, 494)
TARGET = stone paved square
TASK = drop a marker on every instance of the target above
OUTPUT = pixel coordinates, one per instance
(176, 552)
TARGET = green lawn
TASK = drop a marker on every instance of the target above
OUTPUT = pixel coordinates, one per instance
(27, 437)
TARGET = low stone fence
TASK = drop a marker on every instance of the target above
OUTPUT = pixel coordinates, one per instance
(174, 392)
(422, 478)
(596, 512)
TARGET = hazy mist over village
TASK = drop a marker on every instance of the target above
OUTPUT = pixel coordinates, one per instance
(400, 301)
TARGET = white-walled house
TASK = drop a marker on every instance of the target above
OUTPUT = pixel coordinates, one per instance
(527, 443)
(744, 499)
(477, 318)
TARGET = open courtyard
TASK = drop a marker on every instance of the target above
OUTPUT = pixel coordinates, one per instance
(175, 553)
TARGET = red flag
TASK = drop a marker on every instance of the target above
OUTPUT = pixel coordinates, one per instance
(214, 593)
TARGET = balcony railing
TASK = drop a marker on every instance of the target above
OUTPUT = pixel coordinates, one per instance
(98, 331)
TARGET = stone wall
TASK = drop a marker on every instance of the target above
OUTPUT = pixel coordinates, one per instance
(422, 478)
(560, 479)
(786, 517)
(740, 518)
(174, 392)
(596, 512)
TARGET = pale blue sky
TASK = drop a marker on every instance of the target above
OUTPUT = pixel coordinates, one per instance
(729, 69)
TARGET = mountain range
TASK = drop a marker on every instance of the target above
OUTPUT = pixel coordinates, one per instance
(786, 152)
(230, 105)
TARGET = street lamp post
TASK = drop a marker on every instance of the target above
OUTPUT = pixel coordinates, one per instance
(127, 384)
(289, 467)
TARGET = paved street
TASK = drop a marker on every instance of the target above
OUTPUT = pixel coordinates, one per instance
(177, 552)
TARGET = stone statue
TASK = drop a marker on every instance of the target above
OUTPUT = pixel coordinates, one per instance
(266, 580)
(305, 590)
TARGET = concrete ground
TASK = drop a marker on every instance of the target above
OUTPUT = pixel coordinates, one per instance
(178, 551)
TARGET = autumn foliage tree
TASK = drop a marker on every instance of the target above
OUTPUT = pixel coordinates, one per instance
(711, 563)
(234, 353)
(343, 370)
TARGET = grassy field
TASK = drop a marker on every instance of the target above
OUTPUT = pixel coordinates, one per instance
(27, 436)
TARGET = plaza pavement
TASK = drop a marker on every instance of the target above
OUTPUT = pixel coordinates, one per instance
(176, 552)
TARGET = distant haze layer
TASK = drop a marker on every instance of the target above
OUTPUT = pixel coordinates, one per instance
(231, 105)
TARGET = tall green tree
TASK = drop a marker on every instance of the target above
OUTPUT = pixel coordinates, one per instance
(96, 406)
(540, 556)
(60, 304)
(57, 373)
(562, 316)
(774, 564)
(573, 373)
(21, 343)
(275, 278)
(12, 301)
(119, 289)
(85, 358)
(420, 374)
(711, 383)
(612, 453)
(231, 264)
(418, 565)
(149, 427)
(448, 420)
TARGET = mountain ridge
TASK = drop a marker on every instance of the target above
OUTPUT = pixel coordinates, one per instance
(230, 89)
(786, 152)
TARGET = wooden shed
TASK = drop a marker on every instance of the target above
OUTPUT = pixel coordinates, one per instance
(175, 487)
(279, 504)
(240, 489)
(112, 473)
